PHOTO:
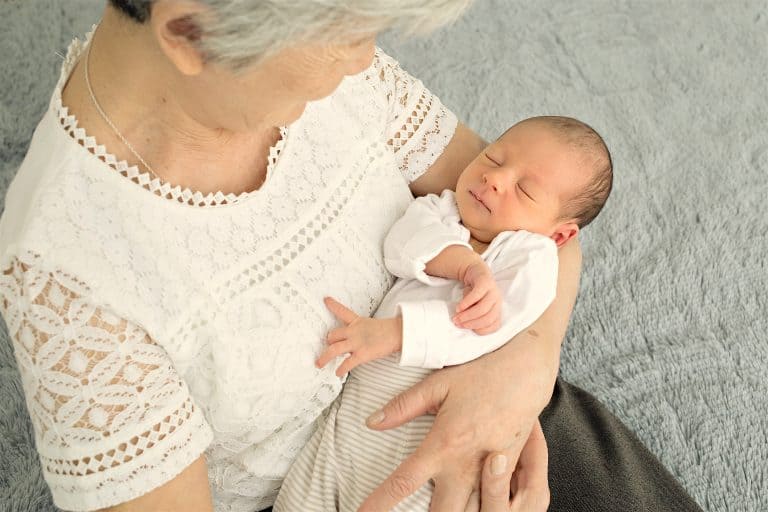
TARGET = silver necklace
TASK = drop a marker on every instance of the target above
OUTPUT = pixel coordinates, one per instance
(107, 119)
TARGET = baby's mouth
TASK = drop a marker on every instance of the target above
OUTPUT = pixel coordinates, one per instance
(477, 198)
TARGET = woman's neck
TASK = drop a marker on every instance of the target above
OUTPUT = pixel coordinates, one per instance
(133, 82)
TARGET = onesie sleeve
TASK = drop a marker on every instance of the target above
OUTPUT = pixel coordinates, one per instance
(111, 416)
(526, 272)
(418, 125)
(430, 224)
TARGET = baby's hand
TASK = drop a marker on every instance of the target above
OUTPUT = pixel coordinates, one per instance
(480, 309)
(363, 338)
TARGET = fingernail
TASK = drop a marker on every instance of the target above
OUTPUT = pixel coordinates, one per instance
(376, 418)
(498, 464)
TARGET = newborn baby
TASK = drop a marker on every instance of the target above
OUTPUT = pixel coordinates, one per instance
(475, 268)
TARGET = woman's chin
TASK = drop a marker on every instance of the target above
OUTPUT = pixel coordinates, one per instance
(294, 114)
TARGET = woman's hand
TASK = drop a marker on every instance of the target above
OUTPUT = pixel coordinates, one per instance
(486, 406)
(527, 485)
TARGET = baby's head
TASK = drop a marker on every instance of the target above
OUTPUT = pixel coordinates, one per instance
(546, 175)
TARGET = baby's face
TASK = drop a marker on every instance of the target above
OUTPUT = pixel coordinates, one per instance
(519, 182)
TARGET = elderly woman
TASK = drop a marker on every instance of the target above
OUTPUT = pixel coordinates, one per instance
(209, 170)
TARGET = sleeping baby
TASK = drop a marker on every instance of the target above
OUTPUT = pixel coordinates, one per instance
(475, 267)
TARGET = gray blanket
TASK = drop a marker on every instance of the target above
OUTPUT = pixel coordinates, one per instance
(670, 326)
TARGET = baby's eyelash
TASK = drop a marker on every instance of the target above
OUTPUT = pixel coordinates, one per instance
(524, 192)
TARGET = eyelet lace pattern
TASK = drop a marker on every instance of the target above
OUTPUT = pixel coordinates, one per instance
(91, 378)
(148, 333)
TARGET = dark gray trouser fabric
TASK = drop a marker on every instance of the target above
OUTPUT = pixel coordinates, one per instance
(596, 464)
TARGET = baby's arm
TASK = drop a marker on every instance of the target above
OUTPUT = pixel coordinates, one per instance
(526, 273)
(430, 225)
(363, 338)
(429, 242)
(425, 334)
(480, 309)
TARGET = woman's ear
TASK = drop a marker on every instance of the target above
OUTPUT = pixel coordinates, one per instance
(178, 34)
(564, 232)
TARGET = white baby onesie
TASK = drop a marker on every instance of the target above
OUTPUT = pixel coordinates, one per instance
(345, 461)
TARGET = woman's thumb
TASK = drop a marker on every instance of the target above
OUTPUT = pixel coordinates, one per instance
(423, 398)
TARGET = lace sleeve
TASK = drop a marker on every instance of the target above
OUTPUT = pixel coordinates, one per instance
(419, 126)
(112, 418)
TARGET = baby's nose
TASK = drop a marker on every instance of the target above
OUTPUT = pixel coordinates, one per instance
(493, 181)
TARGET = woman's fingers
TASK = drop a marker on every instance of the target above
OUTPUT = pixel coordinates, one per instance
(423, 398)
(527, 484)
(531, 488)
(473, 505)
(412, 473)
(451, 494)
(340, 311)
(496, 477)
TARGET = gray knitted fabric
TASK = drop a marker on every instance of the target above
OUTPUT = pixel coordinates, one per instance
(670, 326)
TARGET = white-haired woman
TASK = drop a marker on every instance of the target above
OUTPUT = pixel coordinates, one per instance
(207, 171)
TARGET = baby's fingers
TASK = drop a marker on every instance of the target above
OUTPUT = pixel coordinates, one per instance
(485, 324)
(474, 294)
(339, 310)
(336, 335)
(493, 327)
(333, 352)
(477, 310)
(349, 363)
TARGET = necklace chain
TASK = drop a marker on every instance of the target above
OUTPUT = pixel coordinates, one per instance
(107, 119)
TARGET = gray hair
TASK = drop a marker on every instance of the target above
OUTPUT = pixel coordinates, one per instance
(239, 33)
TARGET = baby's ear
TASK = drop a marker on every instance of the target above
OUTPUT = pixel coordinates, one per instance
(564, 232)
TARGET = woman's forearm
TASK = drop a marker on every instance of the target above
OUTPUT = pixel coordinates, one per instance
(515, 384)
(545, 336)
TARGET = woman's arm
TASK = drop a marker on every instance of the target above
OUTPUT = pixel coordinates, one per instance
(110, 394)
(187, 492)
(518, 378)
(515, 382)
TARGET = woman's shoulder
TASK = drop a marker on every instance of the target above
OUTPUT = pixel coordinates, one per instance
(64, 204)
(375, 87)
(41, 173)
(382, 78)
(49, 182)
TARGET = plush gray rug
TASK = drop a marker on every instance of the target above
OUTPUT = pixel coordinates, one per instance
(670, 327)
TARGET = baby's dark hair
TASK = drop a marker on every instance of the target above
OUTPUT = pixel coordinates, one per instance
(587, 204)
(137, 10)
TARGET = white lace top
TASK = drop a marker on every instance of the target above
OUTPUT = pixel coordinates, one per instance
(152, 324)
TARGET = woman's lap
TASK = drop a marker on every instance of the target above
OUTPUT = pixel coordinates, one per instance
(596, 464)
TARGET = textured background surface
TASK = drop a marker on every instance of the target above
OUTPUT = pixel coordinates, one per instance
(670, 326)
